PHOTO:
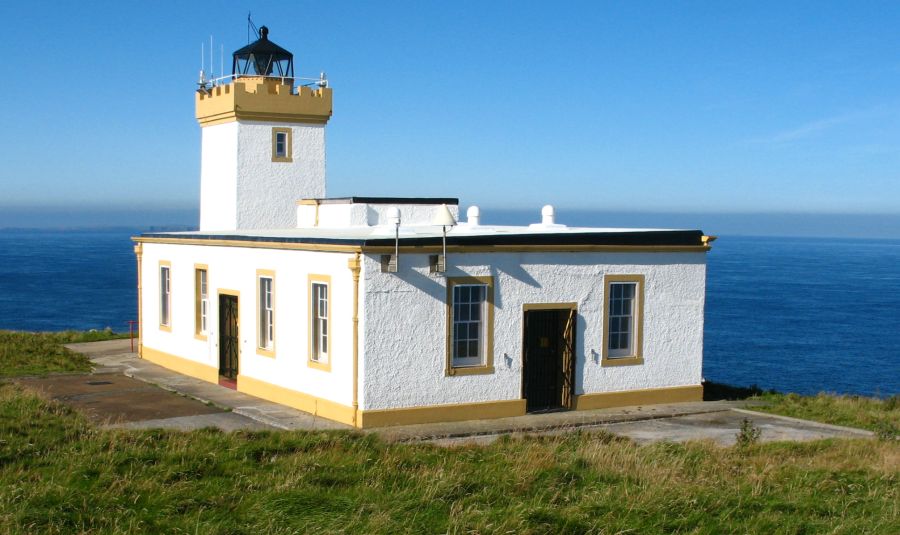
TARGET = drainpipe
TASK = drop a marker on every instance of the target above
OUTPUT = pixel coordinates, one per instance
(138, 252)
(354, 266)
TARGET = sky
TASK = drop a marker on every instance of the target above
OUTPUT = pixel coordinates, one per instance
(673, 107)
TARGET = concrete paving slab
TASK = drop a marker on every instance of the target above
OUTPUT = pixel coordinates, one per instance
(114, 356)
(721, 427)
(724, 427)
(226, 421)
(113, 399)
(550, 422)
(718, 421)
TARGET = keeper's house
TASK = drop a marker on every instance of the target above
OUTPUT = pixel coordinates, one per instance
(384, 311)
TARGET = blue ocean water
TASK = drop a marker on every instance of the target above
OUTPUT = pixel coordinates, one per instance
(794, 314)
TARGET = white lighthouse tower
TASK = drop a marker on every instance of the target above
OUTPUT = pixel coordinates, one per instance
(263, 141)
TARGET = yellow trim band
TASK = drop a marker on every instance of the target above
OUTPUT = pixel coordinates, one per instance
(456, 412)
(298, 400)
(628, 398)
(181, 365)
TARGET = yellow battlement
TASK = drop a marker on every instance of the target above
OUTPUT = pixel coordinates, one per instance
(254, 98)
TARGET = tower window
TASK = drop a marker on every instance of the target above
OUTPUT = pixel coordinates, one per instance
(281, 145)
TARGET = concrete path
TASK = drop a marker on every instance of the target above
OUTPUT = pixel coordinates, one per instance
(114, 356)
(228, 409)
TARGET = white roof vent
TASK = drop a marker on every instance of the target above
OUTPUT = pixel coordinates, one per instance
(548, 215)
(473, 216)
(548, 218)
(393, 216)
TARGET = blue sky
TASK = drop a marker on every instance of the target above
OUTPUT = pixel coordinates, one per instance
(643, 106)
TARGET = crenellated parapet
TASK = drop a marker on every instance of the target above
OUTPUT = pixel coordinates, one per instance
(257, 98)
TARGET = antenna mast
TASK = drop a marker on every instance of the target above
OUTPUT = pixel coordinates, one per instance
(251, 25)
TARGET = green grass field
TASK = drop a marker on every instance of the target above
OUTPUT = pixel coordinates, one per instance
(24, 353)
(59, 474)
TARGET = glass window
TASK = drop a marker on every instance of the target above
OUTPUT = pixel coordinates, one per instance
(468, 336)
(201, 300)
(623, 317)
(280, 145)
(266, 314)
(165, 295)
(319, 315)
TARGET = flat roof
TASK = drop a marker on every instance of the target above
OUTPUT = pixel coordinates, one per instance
(460, 235)
(381, 200)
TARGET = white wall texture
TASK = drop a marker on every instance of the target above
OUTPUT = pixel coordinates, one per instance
(234, 268)
(267, 191)
(403, 328)
(364, 214)
(242, 188)
(218, 176)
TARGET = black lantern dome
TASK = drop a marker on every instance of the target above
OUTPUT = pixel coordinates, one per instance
(263, 58)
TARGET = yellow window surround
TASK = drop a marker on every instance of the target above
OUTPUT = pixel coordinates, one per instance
(165, 294)
(282, 153)
(487, 364)
(637, 353)
(261, 349)
(312, 361)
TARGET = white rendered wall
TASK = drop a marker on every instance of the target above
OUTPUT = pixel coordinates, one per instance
(242, 188)
(365, 214)
(234, 268)
(403, 327)
(267, 191)
(218, 177)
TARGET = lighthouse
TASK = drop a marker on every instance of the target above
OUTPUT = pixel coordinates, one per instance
(262, 141)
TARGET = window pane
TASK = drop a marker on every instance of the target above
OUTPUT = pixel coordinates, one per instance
(475, 312)
(473, 349)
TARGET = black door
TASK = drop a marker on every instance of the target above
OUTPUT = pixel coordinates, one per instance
(228, 336)
(549, 359)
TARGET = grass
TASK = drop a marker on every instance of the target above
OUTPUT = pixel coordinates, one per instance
(24, 353)
(874, 414)
(58, 474)
(881, 415)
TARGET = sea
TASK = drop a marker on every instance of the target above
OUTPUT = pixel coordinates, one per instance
(803, 315)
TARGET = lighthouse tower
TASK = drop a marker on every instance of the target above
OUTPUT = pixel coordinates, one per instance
(263, 141)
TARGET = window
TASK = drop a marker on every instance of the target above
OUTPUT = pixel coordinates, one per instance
(319, 315)
(470, 321)
(165, 296)
(266, 306)
(281, 145)
(623, 324)
(201, 301)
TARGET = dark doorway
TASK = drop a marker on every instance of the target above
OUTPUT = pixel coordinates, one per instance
(549, 359)
(228, 340)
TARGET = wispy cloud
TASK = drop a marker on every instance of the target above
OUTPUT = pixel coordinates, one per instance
(820, 126)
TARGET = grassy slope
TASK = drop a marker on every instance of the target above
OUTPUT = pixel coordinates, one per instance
(59, 475)
(24, 353)
(879, 415)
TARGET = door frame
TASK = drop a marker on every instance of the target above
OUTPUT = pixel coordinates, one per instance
(236, 294)
(573, 308)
